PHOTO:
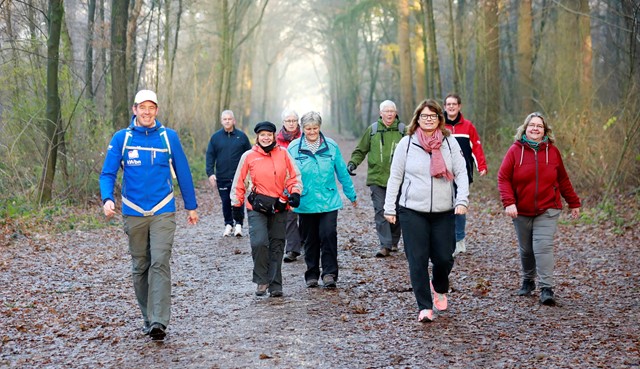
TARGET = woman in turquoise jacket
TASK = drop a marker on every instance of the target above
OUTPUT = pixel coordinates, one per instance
(320, 163)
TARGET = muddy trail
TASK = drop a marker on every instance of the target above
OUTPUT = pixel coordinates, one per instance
(67, 301)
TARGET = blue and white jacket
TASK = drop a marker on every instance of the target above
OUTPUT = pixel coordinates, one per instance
(319, 172)
(147, 178)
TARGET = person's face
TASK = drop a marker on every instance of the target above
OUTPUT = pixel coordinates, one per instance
(265, 138)
(290, 123)
(312, 132)
(228, 122)
(388, 114)
(452, 107)
(146, 113)
(428, 121)
(535, 129)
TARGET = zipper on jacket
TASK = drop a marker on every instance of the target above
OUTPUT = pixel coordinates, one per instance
(535, 198)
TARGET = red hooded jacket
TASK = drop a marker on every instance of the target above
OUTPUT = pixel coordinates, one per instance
(535, 180)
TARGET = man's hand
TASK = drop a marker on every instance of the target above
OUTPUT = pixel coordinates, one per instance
(511, 211)
(483, 172)
(350, 168)
(192, 217)
(109, 209)
(294, 200)
(213, 180)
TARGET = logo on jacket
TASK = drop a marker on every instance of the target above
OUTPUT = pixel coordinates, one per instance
(133, 154)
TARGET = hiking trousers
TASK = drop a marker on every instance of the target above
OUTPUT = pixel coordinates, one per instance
(266, 236)
(535, 238)
(388, 234)
(150, 243)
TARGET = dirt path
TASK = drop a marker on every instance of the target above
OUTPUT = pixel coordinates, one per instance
(67, 302)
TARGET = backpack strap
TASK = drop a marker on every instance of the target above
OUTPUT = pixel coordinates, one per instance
(165, 140)
(374, 128)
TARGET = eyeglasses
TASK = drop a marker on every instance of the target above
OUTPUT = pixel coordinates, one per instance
(429, 116)
(533, 125)
(291, 121)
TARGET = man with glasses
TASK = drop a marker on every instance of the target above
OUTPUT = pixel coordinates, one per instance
(378, 144)
(226, 147)
(467, 136)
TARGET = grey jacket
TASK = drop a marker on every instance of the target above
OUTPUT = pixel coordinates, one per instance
(410, 175)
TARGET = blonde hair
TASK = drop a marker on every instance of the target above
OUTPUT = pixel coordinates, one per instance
(523, 127)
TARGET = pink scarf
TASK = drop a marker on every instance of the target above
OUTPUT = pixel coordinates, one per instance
(432, 144)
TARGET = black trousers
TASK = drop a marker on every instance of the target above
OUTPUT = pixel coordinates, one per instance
(320, 239)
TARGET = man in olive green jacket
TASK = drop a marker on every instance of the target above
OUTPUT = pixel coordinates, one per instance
(378, 142)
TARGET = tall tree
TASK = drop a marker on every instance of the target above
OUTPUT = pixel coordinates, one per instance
(434, 64)
(53, 117)
(584, 31)
(88, 71)
(406, 79)
(487, 96)
(454, 48)
(525, 55)
(119, 81)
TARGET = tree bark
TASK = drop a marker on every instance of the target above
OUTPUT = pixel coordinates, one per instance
(525, 56)
(119, 83)
(53, 118)
(406, 81)
(584, 27)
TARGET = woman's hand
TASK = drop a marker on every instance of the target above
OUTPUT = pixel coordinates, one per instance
(575, 213)
(390, 218)
(460, 210)
(511, 211)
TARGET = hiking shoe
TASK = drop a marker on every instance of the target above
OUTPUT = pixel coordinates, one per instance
(546, 296)
(528, 286)
(157, 332)
(394, 248)
(425, 316)
(460, 248)
(329, 281)
(312, 283)
(228, 230)
(291, 256)
(237, 231)
(262, 289)
(383, 252)
(276, 293)
(439, 299)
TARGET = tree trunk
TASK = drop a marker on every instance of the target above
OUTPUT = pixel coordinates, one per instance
(454, 49)
(88, 71)
(119, 83)
(132, 50)
(525, 56)
(52, 119)
(584, 27)
(488, 93)
(434, 64)
(406, 81)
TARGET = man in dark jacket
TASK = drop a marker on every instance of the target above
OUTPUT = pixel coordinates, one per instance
(226, 147)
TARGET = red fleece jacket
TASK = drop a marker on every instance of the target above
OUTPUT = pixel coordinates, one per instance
(535, 180)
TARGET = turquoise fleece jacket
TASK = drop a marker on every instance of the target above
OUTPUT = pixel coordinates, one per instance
(319, 172)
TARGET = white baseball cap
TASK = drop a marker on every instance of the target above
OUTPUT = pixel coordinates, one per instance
(145, 95)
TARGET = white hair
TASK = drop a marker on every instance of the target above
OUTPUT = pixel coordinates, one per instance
(227, 112)
(387, 103)
(289, 112)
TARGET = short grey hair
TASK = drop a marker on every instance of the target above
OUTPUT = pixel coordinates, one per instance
(227, 112)
(311, 118)
(387, 103)
(289, 112)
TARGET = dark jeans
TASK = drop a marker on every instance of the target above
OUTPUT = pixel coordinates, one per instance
(266, 236)
(224, 189)
(320, 238)
(428, 236)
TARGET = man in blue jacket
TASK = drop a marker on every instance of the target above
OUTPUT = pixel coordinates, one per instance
(150, 155)
(226, 147)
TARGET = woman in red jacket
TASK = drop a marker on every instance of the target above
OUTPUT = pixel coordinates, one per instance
(531, 180)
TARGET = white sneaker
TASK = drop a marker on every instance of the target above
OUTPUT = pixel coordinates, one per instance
(460, 248)
(238, 231)
(228, 229)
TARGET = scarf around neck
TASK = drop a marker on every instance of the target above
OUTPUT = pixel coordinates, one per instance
(432, 144)
(533, 144)
(289, 136)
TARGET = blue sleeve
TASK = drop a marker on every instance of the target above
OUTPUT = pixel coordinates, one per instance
(111, 166)
(183, 172)
(343, 175)
(247, 144)
(211, 158)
